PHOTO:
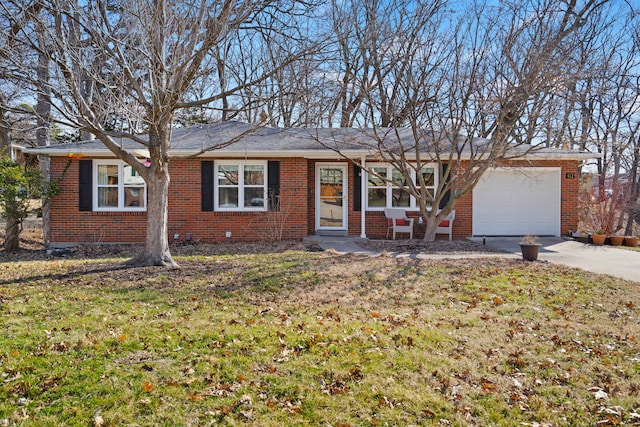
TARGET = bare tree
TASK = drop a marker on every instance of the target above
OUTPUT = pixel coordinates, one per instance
(599, 110)
(140, 60)
(486, 71)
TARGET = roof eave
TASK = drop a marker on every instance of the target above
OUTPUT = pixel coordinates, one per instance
(308, 154)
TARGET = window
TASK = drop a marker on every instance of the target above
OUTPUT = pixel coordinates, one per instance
(395, 194)
(118, 187)
(240, 186)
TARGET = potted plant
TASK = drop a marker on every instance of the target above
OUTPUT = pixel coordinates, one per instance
(599, 237)
(530, 248)
(631, 241)
(616, 240)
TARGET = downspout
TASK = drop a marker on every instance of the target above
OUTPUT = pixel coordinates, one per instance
(363, 199)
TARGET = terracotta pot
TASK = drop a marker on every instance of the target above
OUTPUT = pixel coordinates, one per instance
(598, 239)
(630, 241)
(530, 252)
(616, 240)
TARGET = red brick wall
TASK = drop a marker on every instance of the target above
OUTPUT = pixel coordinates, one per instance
(376, 226)
(69, 225)
(297, 200)
(186, 216)
(569, 189)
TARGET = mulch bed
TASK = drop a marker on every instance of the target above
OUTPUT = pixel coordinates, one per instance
(32, 246)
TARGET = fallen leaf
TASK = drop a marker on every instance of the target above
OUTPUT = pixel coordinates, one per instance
(97, 420)
(147, 386)
(598, 393)
(429, 412)
(488, 386)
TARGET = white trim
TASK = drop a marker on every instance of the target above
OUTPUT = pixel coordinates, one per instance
(363, 198)
(345, 196)
(241, 186)
(96, 163)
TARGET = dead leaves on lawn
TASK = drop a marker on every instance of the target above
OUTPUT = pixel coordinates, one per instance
(522, 338)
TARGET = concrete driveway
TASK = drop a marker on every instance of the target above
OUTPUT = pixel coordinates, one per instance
(617, 262)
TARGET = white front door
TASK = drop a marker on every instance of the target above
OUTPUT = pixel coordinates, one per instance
(331, 197)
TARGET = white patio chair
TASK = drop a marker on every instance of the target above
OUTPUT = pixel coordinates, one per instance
(446, 225)
(398, 221)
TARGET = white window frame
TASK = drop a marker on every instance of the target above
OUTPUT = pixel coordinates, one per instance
(241, 164)
(121, 187)
(413, 204)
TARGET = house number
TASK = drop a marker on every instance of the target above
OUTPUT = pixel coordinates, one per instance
(570, 175)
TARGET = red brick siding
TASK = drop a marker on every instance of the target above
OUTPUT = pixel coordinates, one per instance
(376, 225)
(186, 216)
(69, 225)
(297, 200)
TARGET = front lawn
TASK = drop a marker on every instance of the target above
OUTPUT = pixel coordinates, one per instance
(300, 338)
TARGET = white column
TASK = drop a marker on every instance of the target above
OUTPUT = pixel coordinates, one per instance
(363, 199)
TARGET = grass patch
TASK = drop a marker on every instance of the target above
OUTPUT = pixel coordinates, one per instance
(297, 338)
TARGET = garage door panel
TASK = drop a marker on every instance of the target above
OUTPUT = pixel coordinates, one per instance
(507, 202)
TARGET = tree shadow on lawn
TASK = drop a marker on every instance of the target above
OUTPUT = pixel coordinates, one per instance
(212, 275)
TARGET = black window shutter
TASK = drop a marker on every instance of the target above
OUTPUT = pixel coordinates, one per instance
(445, 198)
(206, 172)
(273, 182)
(357, 188)
(85, 185)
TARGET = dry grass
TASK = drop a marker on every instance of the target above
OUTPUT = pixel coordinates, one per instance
(283, 336)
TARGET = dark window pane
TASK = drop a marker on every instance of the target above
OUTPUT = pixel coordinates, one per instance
(401, 198)
(228, 197)
(253, 197)
(228, 175)
(107, 197)
(377, 198)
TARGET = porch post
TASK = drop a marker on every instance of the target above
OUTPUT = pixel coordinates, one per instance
(363, 199)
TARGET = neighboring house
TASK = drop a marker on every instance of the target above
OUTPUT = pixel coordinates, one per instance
(240, 191)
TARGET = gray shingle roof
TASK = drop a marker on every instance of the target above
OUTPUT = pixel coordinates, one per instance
(233, 139)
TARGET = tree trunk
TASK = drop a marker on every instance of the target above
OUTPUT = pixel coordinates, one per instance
(5, 128)
(430, 229)
(632, 199)
(156, 251)
(45, 167)
(13, 228)
(43, 127)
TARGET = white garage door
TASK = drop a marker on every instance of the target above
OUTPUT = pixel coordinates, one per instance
(515, 202)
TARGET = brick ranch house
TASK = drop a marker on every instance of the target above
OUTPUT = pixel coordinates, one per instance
(270, 177)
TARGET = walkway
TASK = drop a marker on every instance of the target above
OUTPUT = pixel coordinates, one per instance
(616, 262)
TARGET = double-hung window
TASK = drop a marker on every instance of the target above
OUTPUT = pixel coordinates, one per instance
(240, 186)
(387, 187)
(118, 187)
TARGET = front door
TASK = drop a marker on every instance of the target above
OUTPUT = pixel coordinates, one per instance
(331, 197)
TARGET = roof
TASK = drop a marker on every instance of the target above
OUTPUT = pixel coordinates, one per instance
(236, 139)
